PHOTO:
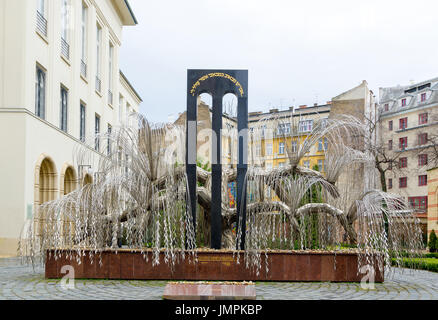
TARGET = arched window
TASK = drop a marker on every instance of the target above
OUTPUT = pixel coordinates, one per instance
(46, 182)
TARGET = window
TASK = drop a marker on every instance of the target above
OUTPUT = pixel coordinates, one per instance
(305, 126)
(403, 123)
(110, 74)
(97, 132)
(283, 128)
(422, 118)
(390, 145)
(281, 148)
(65, 16)
(63, 111)
(269, 166)
(418, 203)
(403, 163)
(281, 164)
(322, 144)
(84, 30)
(321, 165)
(306, 164)
(386, 107)
(404, 102)
(390, 165)
(108, 145)
(403, 182)
(263, 129)
(41, 17)
(294, 146)
(98, 57)
(422, 138)
(390, 125)
(269, 149)
(258, 150)
(422, 180)
(82, 123)
(423, 97)
(389, 183)
(40, 93)
(128, 112)
(120, 108)
(422, 160)
(403, 143)
(41, 7)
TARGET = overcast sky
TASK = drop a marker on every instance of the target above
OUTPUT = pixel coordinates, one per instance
(297, 52)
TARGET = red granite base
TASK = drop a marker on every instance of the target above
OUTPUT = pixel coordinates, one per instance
(213, 266)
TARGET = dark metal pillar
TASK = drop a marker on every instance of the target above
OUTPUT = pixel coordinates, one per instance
(216, 167)
(242, 166)
(191, 153)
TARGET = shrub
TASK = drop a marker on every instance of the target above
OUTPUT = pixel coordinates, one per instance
(429, 264)
(431, 255)
(432, 241)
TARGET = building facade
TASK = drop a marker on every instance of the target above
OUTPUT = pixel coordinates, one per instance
(406, 123)
(432, 203)
(286, 130)
(60, 85)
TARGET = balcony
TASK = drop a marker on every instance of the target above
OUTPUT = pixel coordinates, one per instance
(41, 24)
(65, 48)
(98, 84)
(83, 69)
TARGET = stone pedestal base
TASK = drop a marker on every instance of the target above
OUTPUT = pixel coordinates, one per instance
(213, 266)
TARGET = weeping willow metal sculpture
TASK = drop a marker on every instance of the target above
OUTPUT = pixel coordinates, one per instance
(138, 198)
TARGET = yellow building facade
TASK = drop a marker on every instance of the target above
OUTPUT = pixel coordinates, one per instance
(432, 206)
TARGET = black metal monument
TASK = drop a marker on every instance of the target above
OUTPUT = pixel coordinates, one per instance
(218, 83)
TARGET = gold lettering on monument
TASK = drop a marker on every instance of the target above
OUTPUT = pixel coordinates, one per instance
(215, 258)
(214, 75)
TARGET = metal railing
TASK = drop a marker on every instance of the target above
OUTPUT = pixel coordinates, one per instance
(65, 48)
(110, 97)
(41, 23)
(83, 69)
(98, 84)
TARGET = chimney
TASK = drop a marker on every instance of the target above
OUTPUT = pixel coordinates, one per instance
(315, 104)
(329, 102)
(303, 106)
(291, 108)
(273, 111)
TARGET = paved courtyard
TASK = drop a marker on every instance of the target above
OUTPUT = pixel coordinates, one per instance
(22, 282)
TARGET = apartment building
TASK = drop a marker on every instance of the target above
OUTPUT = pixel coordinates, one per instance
(286, 130)
(407, 120)
(60, 85)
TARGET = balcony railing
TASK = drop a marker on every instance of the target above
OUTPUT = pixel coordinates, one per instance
(83, 69)
(110, 97)
(65, 48)
(41, 23)
(98, 84)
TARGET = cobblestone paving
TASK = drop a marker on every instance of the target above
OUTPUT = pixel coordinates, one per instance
(18, 282)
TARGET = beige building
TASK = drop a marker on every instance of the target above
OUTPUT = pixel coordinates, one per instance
(204, 134)
(360, 103)
(432, 206)
(406, 122)
(60, 84)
